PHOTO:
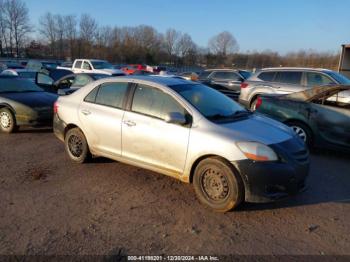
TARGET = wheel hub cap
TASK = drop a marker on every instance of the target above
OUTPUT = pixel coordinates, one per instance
(5, 120)
(215, 184)
(75, 146)
(300, 132)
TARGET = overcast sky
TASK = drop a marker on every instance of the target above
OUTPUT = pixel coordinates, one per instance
(278, 25)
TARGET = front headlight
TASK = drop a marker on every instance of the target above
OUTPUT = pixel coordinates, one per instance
(257, 151)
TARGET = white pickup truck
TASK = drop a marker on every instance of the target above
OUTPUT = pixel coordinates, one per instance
(95, 66)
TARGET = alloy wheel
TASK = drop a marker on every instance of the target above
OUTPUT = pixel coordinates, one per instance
(75, 145)
(300, 132)
(5, 120)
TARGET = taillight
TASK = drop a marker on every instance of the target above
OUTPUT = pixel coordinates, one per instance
(244, 85)
(258, 103)
(55, 107)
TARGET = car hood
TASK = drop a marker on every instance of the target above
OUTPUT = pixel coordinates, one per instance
(258, 128)
(32, 99)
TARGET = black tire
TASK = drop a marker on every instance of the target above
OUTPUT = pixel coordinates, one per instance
(76, 146)
(218, 185)
(303, 131)
(7, 121)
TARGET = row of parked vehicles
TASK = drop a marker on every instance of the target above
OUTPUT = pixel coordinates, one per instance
(191, 130)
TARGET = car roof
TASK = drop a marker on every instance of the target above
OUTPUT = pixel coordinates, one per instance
(220, 69)
(161, 80)
(294, 68)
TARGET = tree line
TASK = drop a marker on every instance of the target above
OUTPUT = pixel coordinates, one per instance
(69, 36)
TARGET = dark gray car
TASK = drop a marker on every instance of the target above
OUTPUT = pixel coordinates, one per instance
(285, 80)
(228, 79)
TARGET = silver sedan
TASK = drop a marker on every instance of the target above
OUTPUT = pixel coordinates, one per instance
(185, 130)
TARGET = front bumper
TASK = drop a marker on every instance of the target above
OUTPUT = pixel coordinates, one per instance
(59, 127)
(270, 181)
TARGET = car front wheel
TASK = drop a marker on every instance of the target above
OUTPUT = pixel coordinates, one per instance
(77, 146)
(302, 131)
(217, 185)
(7, 121)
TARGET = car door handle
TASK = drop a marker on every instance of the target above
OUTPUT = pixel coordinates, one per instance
(129, 123)
(85, 112)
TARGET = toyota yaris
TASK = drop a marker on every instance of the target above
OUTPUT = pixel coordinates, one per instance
(185, 130)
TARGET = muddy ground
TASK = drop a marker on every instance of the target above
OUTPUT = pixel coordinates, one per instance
(49, 205)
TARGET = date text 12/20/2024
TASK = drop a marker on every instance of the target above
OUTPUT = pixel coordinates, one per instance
(173, 258)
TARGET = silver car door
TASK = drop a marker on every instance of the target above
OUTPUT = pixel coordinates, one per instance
(147, 138)
(101, 114)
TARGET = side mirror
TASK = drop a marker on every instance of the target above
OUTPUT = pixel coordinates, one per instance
(43, 79)
(175, 118)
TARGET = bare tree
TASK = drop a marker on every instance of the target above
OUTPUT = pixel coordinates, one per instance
(70, 30)
(47, 27)
(16, 22)
(60, 33)
(171, 40)
(88, 27)
(223, 44)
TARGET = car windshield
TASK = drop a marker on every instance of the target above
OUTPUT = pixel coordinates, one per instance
(204, 74)
(15, 85)
(245, 74)
(101, 65)
(341, 79)
(212, 104)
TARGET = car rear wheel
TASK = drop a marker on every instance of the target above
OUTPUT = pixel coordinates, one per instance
(7, 121)
(77, 146)
(302, 131)
(217, 185)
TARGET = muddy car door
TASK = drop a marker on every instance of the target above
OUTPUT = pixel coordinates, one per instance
(333, 123)
(147, 136)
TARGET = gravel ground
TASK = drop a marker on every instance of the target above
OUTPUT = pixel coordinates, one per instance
(52, 206)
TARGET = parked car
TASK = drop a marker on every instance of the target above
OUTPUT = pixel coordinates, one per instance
(38, 65)
(22, 103)
(130, 69)
(22, 73)
(185, 130)
(95, 66)
(142, 72)
(288, 80)
(227, 79)
(47, 78)
(66, 65)
(191, 76)
(315, 119)
(69, 82)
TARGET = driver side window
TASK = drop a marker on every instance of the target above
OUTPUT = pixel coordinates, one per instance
(153, 102)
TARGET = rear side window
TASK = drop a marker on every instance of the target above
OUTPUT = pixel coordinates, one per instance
(111, 94)
(91, 97)
(77, 64)
(293, 78)
(267, 76)
(153, 102)
(316, 79)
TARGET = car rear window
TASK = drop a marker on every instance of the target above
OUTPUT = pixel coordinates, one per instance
(266, 76)
(291, 77)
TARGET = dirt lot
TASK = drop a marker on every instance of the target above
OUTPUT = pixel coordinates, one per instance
(52, 206)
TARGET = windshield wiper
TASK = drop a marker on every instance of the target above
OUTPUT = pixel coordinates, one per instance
(237, 114)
